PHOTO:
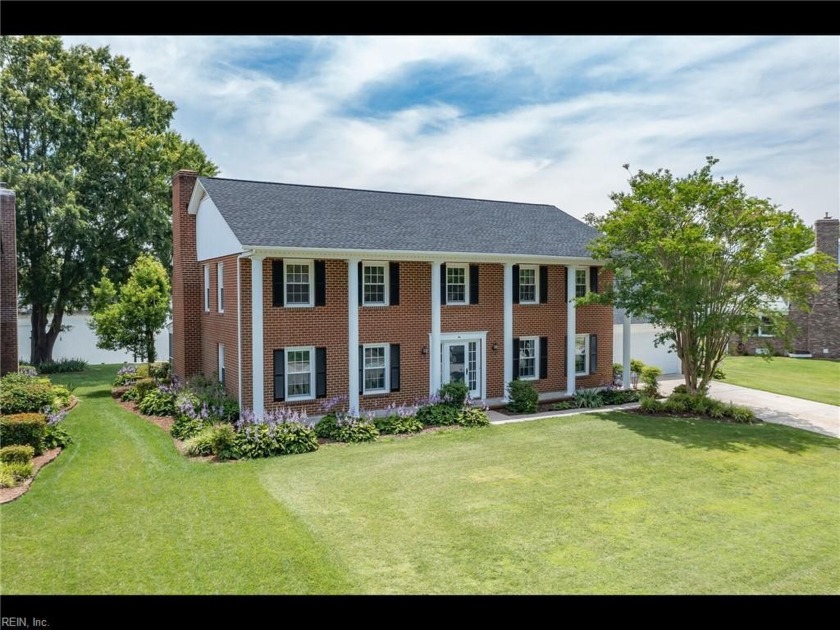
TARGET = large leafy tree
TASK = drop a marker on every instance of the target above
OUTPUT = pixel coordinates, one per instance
(703, 260)
(88, 149)
(130, 319)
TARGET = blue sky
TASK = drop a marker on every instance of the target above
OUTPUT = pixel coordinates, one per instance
(539, 119)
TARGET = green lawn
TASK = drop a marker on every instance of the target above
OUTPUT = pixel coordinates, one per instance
(811, 379)
(609, 503)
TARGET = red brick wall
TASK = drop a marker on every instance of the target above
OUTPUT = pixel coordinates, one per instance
(187, 303)
(487, 315)
(597, 320)
(218, 327)
(407, 324)
(8, 283)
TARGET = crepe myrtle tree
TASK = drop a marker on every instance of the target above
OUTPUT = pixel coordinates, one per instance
(704, 261)
(86, 145)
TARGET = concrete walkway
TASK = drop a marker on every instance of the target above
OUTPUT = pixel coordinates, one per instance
(775, 408)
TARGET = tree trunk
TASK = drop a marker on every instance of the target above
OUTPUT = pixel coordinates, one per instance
(43, 338)
(150, 348)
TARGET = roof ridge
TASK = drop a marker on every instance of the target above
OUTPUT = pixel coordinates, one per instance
(386, 192)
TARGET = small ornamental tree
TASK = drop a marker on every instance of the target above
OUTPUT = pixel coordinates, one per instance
(703, 260)
(130, 319)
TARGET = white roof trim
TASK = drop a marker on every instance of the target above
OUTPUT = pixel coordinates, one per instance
(198, 194)
(425, 256)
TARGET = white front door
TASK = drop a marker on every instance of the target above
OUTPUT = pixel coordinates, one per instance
(462, 362)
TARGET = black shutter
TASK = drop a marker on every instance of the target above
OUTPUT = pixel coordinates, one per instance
(543, 284)
(516, 284)
(443, 283)
(361, 280)
(395, 367)
(543, 357)
(320, 283)
(593, 279)
(394, 271)
(320, 372)
(515, 355)
(279, 376)
(593, 353)
(473, 284)
(361, 369)
(276, 283)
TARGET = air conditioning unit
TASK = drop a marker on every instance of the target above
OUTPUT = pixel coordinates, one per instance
(761, 350)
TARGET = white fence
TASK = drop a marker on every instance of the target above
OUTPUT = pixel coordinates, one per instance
(79, 342)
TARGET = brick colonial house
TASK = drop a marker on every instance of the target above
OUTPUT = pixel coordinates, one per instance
(291, 293)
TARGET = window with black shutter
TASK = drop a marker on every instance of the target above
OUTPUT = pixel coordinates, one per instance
(395, 367)
(279, 375)
(320, 372)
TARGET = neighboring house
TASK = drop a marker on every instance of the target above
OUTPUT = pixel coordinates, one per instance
(290, 294)
(817, 330)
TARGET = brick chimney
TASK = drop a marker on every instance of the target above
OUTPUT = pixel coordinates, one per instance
(186, 280)
(824, 324)
(8, 282)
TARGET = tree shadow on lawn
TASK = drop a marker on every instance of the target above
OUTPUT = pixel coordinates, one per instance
(723, 436)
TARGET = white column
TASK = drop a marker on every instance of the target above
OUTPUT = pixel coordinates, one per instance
(570, 330)
(257, 349)
(434, 339)
(625, 345)
(507, 327)
(353, 334)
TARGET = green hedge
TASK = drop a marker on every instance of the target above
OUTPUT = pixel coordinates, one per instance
(20, 393)
(16, 453)
(24, 429)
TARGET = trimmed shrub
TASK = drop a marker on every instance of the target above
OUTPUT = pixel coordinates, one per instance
(454, 393)
(14, 473)
(680, 389)
(20, 393)
(649, 405)
(438, 414)
(719, 374)
(61, 366)
(159, 402)
(473, 417)
(160, 370)
(223, 441)
(523, 397)
(619, 396)
(24, 429)
(327, 426)
(16, 454)
(200, 444)
(588, 398)
(139, 389)
(402, 419)
(743, 415)
(650, 382)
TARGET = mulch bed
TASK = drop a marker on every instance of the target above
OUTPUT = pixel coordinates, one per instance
(545, 406)
(164, 422)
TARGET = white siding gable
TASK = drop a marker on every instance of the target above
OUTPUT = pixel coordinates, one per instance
(213, 235)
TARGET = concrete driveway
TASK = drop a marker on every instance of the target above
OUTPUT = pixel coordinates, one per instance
(775, 408)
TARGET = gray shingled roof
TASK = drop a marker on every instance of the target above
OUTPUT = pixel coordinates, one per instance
(288, 215)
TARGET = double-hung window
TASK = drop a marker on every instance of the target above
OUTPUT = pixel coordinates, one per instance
(581, 354)
(581, 282)
(220, 284)
(765, 328)
(375, 284)
(457, 284)
(300, 373)
(529, 288)
(299, 280)
(375, 368)
(528, 358)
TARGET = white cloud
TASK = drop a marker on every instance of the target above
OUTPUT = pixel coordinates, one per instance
(767, 107)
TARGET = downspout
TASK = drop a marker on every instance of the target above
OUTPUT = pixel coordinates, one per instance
(239, 324)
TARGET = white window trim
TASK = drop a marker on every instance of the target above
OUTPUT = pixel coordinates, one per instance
(585, 355)
(286, 373)
(220, 356)
(466, 269)
(220, 286)
(206, 288)
(536, 269)
(311, 264)
(385, 274)
(536, 375)
(585, 271)
(387, 349)
(768, 324)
